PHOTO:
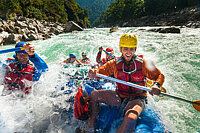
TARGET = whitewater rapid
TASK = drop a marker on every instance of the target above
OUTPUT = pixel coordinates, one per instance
(176, 55)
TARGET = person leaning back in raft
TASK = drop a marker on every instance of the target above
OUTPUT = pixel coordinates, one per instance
(131, 68)
(108, 57)
(21, 71)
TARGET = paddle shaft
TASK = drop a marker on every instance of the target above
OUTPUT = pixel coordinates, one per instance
(140, 87)
(109, 54)
(11, 50)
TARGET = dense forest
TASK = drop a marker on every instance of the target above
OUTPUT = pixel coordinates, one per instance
(50, 10)
(124, 10)
(94, 7)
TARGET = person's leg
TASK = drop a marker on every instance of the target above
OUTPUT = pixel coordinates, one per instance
(133, 111)
(101, 96)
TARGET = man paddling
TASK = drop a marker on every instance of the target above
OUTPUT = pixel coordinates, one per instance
(131, 68)
(108, 57)
(25, 68)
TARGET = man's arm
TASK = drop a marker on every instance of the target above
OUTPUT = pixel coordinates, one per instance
(152, 72)
(108, 68)
(40, 64)
(98, 58)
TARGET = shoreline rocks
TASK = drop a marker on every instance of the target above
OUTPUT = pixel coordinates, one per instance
(187, 17)
(26, 29)
(166, 30)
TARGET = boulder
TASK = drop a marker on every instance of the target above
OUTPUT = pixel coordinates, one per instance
(1, 29)
(166, 30)
(25, 30)
(18, 30)
(12, 38)
(21, 24)
(170, 30)
(60, 28)
(1, 40)
(46, 36)
(40, 29)
(33, 37)
(25, 37)
(4, 34)
(71, 26)
(12, 28)
(21, 18)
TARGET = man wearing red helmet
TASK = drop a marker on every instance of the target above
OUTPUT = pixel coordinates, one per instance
(108, 57)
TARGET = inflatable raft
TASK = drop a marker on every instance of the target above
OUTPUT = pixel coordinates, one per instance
(110, 118)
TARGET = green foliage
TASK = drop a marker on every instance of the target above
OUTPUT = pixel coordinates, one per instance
(122, 10)
(51, 10)
(95, 7)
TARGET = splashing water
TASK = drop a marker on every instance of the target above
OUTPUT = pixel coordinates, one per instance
(176, 55)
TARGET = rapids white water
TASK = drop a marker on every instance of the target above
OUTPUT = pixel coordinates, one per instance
(176, 55)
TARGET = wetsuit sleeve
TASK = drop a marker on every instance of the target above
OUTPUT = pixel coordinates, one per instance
(152, 72)
(66, 61)
(98, 58)
(108, 68)
(40, 66)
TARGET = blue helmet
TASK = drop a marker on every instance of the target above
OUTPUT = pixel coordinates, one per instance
(72, 55)
(20, 44)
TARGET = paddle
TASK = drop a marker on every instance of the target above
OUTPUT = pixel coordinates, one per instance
(109, 54)
(195, 104)
(11, 50)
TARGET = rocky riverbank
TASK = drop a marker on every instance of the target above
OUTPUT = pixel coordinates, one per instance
(188, 17)
(26, 29)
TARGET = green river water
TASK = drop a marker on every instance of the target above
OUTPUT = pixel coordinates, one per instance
(176, 55)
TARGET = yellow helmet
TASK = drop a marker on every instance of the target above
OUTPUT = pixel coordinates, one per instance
(127, 40)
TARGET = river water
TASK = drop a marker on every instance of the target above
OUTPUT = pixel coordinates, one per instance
(176, 55)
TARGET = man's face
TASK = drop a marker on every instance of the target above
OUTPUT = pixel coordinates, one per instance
(128, 53)
(84, 56)
(22, 58)
(73, 59)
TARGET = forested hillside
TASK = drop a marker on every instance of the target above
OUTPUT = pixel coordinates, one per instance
(94, 7)
(50, 10)
(124, 10)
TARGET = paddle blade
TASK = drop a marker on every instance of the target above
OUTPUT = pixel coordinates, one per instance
(196, 105)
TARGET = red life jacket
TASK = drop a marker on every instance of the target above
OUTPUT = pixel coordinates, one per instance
(81, 106)
(18, 80)
(131, 73)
